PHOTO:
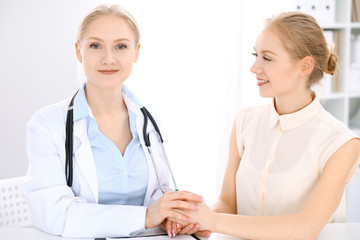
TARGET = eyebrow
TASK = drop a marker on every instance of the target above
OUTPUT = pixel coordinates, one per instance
(101, 40)
(268, 51)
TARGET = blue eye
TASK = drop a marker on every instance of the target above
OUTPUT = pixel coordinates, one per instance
(94, 46)
(121, 46)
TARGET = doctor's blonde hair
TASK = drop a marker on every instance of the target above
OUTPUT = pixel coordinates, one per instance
(302, 36)
(108, 10)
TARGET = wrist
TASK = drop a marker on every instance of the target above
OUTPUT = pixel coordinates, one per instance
(213, 221)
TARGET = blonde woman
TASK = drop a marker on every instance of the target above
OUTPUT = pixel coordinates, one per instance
(114, 188)
(290, 160)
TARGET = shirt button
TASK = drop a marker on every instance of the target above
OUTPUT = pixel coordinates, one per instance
(123, 198)
(125, 173)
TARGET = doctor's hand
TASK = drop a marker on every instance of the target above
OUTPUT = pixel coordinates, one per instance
(205, 217)
(169, 207)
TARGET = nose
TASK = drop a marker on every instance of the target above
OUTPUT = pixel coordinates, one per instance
(109, 58)
(255, 67)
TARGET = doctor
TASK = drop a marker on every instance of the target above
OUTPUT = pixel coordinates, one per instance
(114, 190)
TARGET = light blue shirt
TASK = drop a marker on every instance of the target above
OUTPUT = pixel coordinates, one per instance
(121, 179)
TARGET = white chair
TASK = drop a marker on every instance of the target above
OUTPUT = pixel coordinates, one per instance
(14, 211)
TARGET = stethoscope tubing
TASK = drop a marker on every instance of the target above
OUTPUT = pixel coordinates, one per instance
(69, 144)
(146, 136)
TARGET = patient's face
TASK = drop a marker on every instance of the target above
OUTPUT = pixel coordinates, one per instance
(277, 73)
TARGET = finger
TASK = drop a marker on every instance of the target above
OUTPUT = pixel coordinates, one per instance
(204, 233)
(184, 195)
(194, 229)
(178, 230)
(162, 225)
(186, 229)
(173, 228)
(183, 205)
(168, 228)
(183, 223)
(179, 217)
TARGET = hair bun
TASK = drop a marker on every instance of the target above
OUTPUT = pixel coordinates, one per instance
(331, 65)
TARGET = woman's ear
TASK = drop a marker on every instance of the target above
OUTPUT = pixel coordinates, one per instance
(77, 49)
(307, 65)
(137, 52)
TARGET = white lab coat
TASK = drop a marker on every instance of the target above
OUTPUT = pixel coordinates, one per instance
(75, 212)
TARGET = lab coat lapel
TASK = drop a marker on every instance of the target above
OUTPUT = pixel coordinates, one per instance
(133, 104)
(152, 177)
(84, 157)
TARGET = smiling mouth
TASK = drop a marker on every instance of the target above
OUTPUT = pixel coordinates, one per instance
(261, 82)
(108, 71)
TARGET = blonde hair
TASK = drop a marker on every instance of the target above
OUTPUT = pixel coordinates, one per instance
(108, 10)
(302, 36)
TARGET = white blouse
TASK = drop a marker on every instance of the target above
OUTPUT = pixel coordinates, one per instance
(283, 156)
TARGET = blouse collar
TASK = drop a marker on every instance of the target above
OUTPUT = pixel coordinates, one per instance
(296, 119)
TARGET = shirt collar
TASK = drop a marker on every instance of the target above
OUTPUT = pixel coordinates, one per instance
(296, 119)
(82, 109)
(81, 106)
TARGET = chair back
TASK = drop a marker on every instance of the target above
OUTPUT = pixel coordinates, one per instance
(14, 211)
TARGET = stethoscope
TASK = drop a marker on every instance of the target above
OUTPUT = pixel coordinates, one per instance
(146, 135)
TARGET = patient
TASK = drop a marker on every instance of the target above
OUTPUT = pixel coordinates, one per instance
(290, 160)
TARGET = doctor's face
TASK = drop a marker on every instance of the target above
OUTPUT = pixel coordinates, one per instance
(277, 73)
(107, 51)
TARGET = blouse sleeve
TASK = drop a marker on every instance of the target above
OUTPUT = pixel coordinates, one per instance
(337, 142)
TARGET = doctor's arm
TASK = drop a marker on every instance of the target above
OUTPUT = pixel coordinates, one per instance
(56, 210)
(306, 224)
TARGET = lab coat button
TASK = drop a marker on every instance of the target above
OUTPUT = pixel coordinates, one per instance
(125, 173)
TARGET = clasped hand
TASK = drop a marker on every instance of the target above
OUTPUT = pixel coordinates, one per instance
(176, 212)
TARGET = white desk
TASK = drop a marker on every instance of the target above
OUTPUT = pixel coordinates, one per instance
(332, 231)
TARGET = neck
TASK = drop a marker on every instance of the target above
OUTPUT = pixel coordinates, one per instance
(291, 104)
(104, 101)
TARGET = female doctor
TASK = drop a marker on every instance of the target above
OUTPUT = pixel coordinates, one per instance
(114, 190)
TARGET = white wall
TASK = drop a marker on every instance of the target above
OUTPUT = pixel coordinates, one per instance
(192, 56)
(187, 65)
(37, 68)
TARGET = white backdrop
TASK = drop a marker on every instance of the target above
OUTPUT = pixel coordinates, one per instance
(193, 73)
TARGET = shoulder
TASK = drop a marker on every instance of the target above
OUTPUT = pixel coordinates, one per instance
(347, 156)
(51, 115)
(339, 142)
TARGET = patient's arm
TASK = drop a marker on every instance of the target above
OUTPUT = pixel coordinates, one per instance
(306, 224)
(227, 199)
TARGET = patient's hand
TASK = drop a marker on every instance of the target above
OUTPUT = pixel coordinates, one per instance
(194, 229)
(170, 227)
(173, 228)
(203, 217)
